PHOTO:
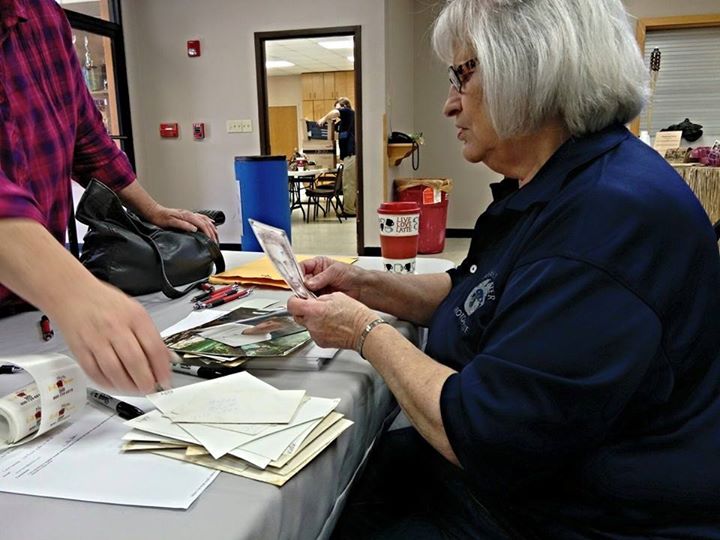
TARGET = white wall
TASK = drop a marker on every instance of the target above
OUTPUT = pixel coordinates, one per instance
(399, 80)
(441, 155)
(166, 85)
(287, 91)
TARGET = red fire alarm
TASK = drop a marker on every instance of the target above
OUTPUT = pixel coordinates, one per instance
(193, 47)
(169, 131)
(199, 131)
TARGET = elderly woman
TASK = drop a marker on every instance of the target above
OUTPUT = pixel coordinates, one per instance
(570, 387)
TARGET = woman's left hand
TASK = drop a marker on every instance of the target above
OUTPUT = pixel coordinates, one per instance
(185, 220)
(333, 320)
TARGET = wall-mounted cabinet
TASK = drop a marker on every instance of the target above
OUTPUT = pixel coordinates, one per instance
(321, 90)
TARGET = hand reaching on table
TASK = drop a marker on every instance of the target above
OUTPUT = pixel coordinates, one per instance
(113, 338)
(333, 320)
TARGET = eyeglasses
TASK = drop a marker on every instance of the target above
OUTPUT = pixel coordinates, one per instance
(461, 73)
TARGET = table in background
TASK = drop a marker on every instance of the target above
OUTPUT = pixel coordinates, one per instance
(232, 508)
(705, 183)
(295, 181)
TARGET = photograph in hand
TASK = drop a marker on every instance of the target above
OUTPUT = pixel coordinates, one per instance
(275, 244)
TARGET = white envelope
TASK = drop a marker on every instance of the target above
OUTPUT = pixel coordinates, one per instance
(239, 398)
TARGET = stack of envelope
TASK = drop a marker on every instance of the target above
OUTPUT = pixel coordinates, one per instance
(238, 424)
(262, 272)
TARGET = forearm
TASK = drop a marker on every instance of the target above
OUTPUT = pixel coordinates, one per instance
(137, 199)
(36, 267)
(332, 115)
(416, 381)
(408, 297)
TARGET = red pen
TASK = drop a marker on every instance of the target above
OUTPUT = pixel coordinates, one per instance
(46, 329)
(224, 300)
(225, 291)
(203, 295)
(211, 294)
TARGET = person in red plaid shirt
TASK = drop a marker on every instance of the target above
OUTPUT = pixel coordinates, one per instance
(50, 132)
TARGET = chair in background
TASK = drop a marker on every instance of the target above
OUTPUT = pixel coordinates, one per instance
(327, 186)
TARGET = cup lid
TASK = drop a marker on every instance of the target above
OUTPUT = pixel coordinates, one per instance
(399, 208)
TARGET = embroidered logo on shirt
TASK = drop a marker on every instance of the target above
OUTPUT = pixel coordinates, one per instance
(483, 292)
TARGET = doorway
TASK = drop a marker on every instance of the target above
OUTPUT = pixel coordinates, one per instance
(311, 69)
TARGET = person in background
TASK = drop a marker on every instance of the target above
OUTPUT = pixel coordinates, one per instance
(570, 386)
(50, 131)
(343, 116)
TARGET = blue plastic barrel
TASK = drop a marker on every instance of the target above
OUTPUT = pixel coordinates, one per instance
(263, 182)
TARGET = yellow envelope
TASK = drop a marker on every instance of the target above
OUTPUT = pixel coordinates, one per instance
(262, 272)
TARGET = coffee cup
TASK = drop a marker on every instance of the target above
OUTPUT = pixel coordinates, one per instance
(399, 224)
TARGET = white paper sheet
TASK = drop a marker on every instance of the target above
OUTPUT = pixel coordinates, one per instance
(155, 422)
(238, 398)
(215, 440)
(142, 436)
(221, 439)
(81, 461)
(195, 319)
(259, 303)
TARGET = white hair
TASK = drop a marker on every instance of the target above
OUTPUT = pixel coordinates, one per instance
(539, 59)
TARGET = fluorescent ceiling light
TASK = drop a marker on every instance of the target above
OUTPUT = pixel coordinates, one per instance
(278, 64)
(351, 58)
(339, 44)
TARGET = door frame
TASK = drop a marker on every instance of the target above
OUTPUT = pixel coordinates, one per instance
(261, 77)
(112, 30)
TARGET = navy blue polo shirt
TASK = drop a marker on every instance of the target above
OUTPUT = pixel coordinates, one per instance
(585, 328)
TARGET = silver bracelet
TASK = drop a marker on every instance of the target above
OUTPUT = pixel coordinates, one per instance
(366, 331)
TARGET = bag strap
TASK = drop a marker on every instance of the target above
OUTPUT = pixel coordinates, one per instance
(168, 288)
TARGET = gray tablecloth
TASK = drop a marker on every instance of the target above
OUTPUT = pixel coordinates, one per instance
(232, 507)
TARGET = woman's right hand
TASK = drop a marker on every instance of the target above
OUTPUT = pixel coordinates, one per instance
(113, 339)
(324, 275)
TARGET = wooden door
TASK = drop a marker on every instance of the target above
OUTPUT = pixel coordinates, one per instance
(319, 109)
(340, 84)
(283, 130)
(329, 85)
(308, 112)
(350, 86)
(307, 86)
(318, 85)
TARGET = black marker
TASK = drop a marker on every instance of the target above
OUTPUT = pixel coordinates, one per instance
(9, 369)
(205, 372)
(123, 410)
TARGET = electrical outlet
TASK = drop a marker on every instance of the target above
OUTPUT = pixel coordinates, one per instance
(234, 126)
(239, 126)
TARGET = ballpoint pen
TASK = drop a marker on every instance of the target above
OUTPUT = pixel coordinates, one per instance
(203, 295)
(9, 369)
(215, 293)
(223, 300)
(123, 409)
(204, 371)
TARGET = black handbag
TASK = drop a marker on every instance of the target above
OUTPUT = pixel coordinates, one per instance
(138, 257)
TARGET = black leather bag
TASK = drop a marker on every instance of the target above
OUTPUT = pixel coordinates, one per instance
(138, 257)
